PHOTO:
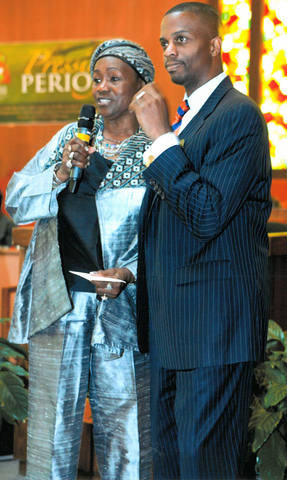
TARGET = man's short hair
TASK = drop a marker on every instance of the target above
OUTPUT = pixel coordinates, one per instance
(207, 12)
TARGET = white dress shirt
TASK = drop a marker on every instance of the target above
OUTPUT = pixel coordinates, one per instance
(196, 100)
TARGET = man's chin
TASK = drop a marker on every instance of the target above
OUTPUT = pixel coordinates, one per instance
(175, 78)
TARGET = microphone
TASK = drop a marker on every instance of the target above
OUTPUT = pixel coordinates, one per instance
(84, 131)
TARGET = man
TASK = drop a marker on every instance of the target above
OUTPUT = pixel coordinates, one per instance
(202, 294)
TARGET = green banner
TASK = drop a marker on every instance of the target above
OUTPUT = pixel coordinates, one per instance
(45, 82)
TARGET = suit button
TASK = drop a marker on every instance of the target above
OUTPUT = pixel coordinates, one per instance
(152, 182)
(162, 196)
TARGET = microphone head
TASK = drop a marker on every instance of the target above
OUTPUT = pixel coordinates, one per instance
(87, 117)
(85, 127)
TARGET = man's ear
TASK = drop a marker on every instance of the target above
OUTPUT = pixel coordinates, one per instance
(216, 43)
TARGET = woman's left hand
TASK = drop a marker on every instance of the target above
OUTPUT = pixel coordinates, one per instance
(112, 289)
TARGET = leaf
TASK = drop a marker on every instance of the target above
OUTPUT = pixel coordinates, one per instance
(273, 345)
(271, 459)
(16, 369)
(6, 417)
(275, 356)
(257, 415)
(275, 332)
(13, 396)
(263, 423)
(279, 364)
(265, 374)
(14, 346)
(7, 351)
(275, 394)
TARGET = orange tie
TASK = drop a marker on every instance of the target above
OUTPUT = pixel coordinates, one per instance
(181, 111)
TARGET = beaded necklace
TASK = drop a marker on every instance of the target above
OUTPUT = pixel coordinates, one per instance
(107, 149)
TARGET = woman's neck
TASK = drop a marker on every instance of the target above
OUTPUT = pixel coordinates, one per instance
(120, 129)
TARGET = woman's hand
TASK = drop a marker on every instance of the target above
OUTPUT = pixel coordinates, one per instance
(113, 289)
(76, 153)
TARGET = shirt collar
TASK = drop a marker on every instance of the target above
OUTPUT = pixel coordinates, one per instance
(198, 98)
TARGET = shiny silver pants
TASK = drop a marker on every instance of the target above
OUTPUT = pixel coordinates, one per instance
(63, 365)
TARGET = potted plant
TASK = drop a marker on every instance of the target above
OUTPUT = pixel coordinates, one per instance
(268, 421)
(13, 390)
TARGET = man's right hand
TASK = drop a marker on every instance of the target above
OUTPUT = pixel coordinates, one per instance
(151, 111)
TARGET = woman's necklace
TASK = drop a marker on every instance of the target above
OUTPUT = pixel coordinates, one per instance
(108, 148)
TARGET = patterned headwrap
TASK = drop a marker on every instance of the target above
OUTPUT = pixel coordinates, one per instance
(130, 52)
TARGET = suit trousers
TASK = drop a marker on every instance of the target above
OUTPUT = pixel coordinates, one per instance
(199, 421)
(63, 365)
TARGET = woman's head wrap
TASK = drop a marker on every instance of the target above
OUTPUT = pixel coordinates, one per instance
(129, 52)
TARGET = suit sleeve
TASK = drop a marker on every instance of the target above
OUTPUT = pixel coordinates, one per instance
(225, 165)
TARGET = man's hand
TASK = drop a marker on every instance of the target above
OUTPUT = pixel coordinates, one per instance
(151, 111)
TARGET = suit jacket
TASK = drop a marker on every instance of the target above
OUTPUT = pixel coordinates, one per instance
(203, 244)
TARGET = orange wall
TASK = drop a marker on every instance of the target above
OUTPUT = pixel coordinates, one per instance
(44, 20)
(279, 191)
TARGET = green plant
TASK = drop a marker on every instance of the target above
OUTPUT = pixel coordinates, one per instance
(268, 421)
(13, 391)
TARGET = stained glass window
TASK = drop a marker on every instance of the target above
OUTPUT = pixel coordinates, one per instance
(236, 19)
(274, 78)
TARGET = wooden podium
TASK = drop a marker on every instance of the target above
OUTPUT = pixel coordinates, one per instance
(9, 276)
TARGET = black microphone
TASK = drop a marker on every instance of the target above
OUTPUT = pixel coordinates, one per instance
(84, 131)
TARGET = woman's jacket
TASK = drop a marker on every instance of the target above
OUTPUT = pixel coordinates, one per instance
(42, 296)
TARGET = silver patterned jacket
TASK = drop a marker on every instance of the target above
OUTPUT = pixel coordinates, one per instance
(42, 296)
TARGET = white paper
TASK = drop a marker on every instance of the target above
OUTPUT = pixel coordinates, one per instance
(97, 278)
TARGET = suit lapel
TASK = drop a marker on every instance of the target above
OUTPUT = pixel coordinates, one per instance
(211, 103)
(189, 131)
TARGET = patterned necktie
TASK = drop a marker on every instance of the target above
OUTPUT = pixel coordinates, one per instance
(182, 109)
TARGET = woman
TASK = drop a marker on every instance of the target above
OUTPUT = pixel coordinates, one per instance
(81, 333)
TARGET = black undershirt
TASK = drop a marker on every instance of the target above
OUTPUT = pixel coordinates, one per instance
(79, 234)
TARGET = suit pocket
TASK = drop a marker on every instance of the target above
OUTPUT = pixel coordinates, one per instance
(202, 272)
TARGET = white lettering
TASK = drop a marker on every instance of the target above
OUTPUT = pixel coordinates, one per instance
(26, 81)
(54, 80)
(40, 83)
(3, 90)
(76, 78)
(67, 82)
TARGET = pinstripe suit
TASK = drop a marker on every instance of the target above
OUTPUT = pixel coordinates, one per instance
(202, 275)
